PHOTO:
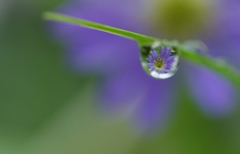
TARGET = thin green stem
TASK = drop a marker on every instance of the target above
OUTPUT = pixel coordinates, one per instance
(99, 27)
(218, 66)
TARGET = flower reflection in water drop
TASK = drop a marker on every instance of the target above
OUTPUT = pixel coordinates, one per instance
(163, 66)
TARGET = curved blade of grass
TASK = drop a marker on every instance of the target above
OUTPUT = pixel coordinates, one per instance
(84, 23)
(218, 66)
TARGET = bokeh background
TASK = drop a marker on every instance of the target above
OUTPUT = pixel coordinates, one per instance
(46, 108)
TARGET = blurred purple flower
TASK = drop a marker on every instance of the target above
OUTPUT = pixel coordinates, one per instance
(125, 82)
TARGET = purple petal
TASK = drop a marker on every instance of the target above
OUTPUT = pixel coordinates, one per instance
(167, 55)
(163, 52)
(229, 22)
(150, 64)
(168, 67)
(169, 51)
(167, 70)
(102, 57)
(155, 54)
(214, 94)
(150, 59)
(121, 90)
(170, 60)
(156, 107)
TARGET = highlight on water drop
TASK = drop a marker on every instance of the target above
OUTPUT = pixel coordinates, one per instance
(160, 62)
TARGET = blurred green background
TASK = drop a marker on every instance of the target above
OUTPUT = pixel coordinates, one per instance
(46, 109)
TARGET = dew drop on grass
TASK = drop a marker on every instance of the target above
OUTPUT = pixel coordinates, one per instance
(160, 62)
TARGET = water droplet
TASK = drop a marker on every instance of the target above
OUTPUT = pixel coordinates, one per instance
(195, 46)
(160, 61)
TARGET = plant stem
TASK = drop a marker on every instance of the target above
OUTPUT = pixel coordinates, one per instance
(217, 65)
(99, 27)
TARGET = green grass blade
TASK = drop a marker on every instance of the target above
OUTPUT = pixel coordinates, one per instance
(218, 65)
(108, 29)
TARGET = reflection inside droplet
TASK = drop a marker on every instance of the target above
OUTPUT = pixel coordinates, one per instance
(160, 62)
